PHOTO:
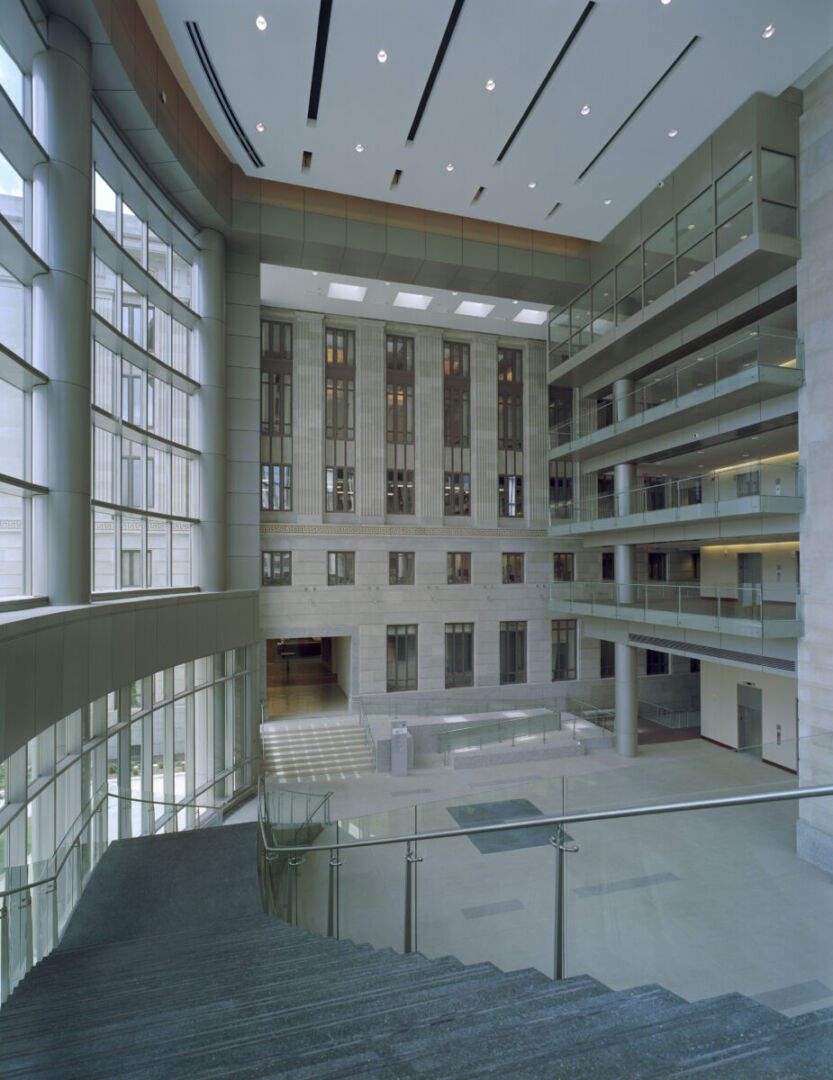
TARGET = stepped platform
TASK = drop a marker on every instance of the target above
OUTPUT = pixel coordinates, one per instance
(169, 970)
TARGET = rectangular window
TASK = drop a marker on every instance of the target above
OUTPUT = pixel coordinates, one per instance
(276, 415)
(458, 565)
(563, 637)
(512, 567)
(459, 654)
(401, 567)
(510, 400)
(456, 428)
(607, 660)
(277, 568)
(608, 568)
(563, 565)
(402, 658)
(657, 566)
(561, 490)
(341, 567)
(656, 663)
(748, 483)
(340, 421)
(513, 652)
(510, 496)
(399, 451)
(400, 491)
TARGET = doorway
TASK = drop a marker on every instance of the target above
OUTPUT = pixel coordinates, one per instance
(307, 675)
(750, 713)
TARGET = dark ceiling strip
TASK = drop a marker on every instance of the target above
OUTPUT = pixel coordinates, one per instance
(324, 12)
(435, 68)
(573, 33)
(220, 94)
(650, 93)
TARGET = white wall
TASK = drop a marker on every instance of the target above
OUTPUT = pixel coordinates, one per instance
(719, 708)
(719, 563)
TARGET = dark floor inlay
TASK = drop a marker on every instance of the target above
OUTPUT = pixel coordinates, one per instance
(789, 997)
(499, 907)
(496, 813)
(625, 883)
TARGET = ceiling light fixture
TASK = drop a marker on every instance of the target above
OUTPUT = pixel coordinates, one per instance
(449, 167)
(673, 133)
(532, 184)
(608, 202)
(359, 148)
(381, 56)
(530, 315)
(260, 126)
(490, 85)
(341, 291)
(261, 23)
(585, 110)
(768, 31)
(418, 301)
(471, 307)
(665, 3)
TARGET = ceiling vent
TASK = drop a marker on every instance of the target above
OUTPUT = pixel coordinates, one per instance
(220, 94)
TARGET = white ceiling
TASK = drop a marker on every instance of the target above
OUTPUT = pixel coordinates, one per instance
(307, 290)
(624, 47)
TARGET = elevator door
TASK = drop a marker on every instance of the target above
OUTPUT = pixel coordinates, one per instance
(749, 719)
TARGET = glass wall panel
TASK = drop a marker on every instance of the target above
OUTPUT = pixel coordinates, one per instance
(132, 231)
(735, 189)
(628, 274)
(11, 79)
(13, 300)
(734, 230)
(105, 204)
(696, 221)
(778, 177)
(11, 196)
(658, 249)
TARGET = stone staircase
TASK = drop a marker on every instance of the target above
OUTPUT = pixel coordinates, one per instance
(168, 970)
(316, 750)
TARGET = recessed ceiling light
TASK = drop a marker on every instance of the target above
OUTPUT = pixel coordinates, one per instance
(516, 301)
(449, 167)
(259, 126)
(665, 3)
(261, 23)
(531, 315)
(381, 56)
(490, 85)
(359, 148)
(608, 202)
(585, 110)
(315, 273)
(532, 184)
(471, 307)
(412, 300)
(673, 133)
(768, 30)
(340, 291)
(690, 226)
(744, 236)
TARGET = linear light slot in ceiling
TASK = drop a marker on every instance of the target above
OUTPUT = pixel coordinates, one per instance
(435, 68)
(582, 19)
(650, 94)
(324, 13)
(220, 94)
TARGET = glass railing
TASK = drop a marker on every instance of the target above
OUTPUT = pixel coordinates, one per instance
(673, 496)
(38, 897)
(733, 608)
(514, 728)
(749, 353)
(681, 715)
(682, 872)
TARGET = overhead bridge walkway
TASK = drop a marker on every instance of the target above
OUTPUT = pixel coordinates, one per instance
(168, 970)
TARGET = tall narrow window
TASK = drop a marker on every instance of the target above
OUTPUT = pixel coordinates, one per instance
(563, 649)
(512, 652)
(340, 423)
(402, 658)
(512, 567)
(459, 654)
(275, 415)
(400, 425)
(510, 432)
(457, 428)
(401, 567)
(341, 567)
(607, 659)
(458, 566)
(561, 490)
(277, 568)
(563, 566)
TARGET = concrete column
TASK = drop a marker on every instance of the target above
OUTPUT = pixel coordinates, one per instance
(308, 416)
(371, 425)
(484, 432)
(625, 700)
(61, 309)
(211, 411)
(536, 436)
(428, 394)
(623, 482)
(622, 400)
(242, 403)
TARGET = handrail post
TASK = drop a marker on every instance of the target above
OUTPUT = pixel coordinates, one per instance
(4, 951)
(558, 841)
(411, 858)
(293, 862)
(332, 895)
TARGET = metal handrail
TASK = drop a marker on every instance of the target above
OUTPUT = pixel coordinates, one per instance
(560, 821)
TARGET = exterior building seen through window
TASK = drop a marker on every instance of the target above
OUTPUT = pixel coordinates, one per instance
(512, 567)
(341, 567)
(458, 566)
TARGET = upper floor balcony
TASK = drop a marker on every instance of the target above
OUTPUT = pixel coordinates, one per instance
(740, 491)
(748, 368)
(751, 611)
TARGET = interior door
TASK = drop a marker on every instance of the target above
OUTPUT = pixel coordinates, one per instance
(750, 712)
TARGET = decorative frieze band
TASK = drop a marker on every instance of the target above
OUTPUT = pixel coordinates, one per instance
(271, 528)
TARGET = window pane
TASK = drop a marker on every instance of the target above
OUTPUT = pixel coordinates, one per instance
(11, 79)
(628, 274)
(13, 299)
(734, 230)
(695, 221)
(158, 252)
(11, 430)
(779, 219)
(778, 177)
(695, 258)
(131, 231)
(181, 278)
(105, 291)
(735, 189)
(658, 249)
(105, 204)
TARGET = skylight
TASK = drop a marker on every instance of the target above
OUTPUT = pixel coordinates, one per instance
(340, 291)
(477, 311)
(412, 300)
(531, 315)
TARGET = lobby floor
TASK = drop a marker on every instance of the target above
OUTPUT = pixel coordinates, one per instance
(703, 902)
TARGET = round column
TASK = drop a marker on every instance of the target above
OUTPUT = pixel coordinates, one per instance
(62, 197)
(625, 700)
(211, 422)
